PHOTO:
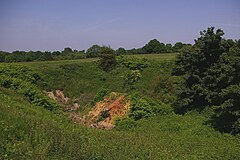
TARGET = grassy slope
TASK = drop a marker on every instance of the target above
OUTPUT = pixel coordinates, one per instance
(34, 133)
(82, 78)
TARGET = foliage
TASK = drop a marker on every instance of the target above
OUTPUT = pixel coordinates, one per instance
(93, 51)
(103, 115)
(179, 47)
(102, 92)
(81, 79)
(22, 56)
(125, 124)
(2, 56)
(34, 133)
(133, 74)
(209, 70)
(145, 108)
(107, 60)
(133, 63)
(165, 88)
(26, 82)
(130, 79)
(154, 46)
(121, 51)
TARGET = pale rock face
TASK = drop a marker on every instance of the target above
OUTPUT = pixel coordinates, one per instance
(64, 101)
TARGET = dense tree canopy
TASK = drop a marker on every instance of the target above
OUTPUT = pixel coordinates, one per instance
(211, 76)
(107, 60)
(93, 51)
(121, 51)
(154, 46)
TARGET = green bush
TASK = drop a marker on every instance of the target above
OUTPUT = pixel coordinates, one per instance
(133, 63)
(165, 88)
(125, 123)
(103, 115)
(25, 81)
(102, 92)
(130, 79)
(144, 108)
(107, 61)
(135, 66)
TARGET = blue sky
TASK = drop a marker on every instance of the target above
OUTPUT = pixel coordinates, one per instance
(49, 25)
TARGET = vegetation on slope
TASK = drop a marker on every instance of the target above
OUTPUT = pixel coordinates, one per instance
(35, 133)
(208, 82)
(211, 79)
(26, 82)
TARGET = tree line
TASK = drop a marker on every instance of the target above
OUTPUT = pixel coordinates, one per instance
(153, 46)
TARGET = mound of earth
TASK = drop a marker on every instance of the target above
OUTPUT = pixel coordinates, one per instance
(103, 114)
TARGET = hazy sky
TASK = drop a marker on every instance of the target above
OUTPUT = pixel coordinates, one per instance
(56, 24)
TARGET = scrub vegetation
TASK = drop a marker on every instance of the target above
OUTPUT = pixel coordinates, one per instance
(179, 102)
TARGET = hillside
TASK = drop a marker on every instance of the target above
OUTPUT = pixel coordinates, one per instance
(29, 131)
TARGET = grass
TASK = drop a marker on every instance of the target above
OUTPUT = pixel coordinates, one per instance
(35, 133)
(81, 79)
(30, 132)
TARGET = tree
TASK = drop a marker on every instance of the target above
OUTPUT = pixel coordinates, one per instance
(178, 46)
(192, 65)
(93, 51)
(67, 50)
(107, 60)
(210, 71)
(168, 48)
(226, 93)
(2, 56)
(121, 51)
(154, 46)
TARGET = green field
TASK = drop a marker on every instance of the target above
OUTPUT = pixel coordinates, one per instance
(31, 132)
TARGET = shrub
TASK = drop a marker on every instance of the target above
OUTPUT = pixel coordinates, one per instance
(145, 107)
(125, 123)
(135, 66)
(103, 115)
(102, 92)
(25, 81)
(165, 88)
(130, 78)
(107, 60)
(133, 63)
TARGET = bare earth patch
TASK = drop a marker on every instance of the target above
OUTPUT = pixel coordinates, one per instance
(115, 105)
(101, 116)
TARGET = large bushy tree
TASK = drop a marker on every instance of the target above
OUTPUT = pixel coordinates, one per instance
(93, 51)
(154, 46)
(210, 72)
(121, 51)
(107, 61)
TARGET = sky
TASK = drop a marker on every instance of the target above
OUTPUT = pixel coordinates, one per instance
(49, 25)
